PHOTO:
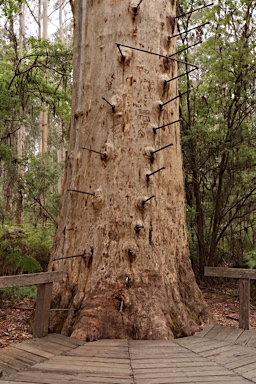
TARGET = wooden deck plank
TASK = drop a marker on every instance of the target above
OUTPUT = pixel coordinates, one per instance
(244, 338)
(34, 350)
(240, 362)
(224, 334)
(104, 380)
(201, 380)
(20, 356)
(74, 369)
(111, 342)
(64, 340)
(205, 330)
(192, 365)
(229, 334)
(246, 368)
(252, 341)
(208, 346)
(250, 375)
(234, 334)
(221, 352)
(5, 368)
(202, 360)
(234, 358)
(49, 346)
(172, 372)
(28, 357)
(19, 382)
(12, 363)
(40, 377)
(214, 331)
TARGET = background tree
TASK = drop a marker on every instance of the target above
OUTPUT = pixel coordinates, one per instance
(219, 133)
(125, 224)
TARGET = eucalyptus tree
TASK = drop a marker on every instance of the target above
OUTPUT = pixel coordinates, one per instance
(44, 112)
(121, 231)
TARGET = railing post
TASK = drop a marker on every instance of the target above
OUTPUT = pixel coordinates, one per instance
(244, 303)
(44, 281)
(42, 311)
(244, 276)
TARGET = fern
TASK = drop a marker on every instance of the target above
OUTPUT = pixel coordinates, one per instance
(250, 259)
(17, 264)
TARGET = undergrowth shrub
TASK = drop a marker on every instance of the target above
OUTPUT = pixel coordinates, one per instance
(24, 250)
(17, 293)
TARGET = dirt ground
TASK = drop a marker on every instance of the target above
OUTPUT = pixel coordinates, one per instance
(222, 300)
(15, 321)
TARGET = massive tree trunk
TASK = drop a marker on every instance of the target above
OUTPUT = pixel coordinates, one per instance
(133, 277)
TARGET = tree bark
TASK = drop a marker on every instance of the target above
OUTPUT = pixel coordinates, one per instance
(21, 131)
(61, 29)
(131, 276)
(44, 112)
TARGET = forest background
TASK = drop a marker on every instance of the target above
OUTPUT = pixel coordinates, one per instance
(218, 121)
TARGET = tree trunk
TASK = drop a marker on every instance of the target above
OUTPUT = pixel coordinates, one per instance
(133, 278)
(39, 19)
(44, 122)
(21, 172)
(61, 151)
(21, 131)
(44, 112)
(217, 210)
(61, 29)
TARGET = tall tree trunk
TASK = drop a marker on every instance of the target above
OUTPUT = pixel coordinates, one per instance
(192, 146)
(44, 116)
(21, 131)
(61, 29)
(39, 19)
(21, 171)
(217, 210)
(44, 122)
(61, 152)
(133, 277)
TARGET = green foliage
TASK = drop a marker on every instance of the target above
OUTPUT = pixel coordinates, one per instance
(18, 263)
(250, 259)
(17, 293)
(24, 250)
(40, 186)
(5, 153)
(39, 74)
(44, 74)
(39, 241)
(10, 7)
(218, 130)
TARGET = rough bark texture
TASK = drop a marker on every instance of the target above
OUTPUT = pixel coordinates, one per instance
(134, 279)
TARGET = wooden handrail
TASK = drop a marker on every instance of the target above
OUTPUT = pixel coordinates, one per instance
(244, 276)
(30, 279)
(44, 282)
(234, 273)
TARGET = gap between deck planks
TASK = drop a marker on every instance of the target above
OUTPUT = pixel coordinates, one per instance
(215, 355)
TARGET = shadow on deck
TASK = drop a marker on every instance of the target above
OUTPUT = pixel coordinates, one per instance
(215, 355)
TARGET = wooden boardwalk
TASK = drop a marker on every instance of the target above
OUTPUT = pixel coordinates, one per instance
(215, 355)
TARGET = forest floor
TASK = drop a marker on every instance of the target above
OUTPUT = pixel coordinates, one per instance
(15, 317)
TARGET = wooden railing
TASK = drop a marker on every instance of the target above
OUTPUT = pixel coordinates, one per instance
(244, 276)
(44, 282)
